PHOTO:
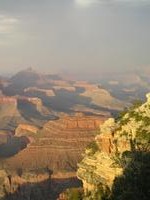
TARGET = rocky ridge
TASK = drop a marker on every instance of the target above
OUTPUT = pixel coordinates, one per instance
(48, 93)
(21, 109)
(131, 132)
(59, 144)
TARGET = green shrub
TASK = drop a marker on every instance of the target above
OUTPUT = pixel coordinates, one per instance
(93, 147)
(74, 194)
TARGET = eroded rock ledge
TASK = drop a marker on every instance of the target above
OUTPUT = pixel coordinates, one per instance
(130, 132)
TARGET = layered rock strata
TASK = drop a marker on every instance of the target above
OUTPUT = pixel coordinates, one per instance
(58, 145)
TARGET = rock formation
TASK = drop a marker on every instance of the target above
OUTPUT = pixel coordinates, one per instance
(23, 129)
(8, 100)
(49, 93)
(102, 161)
(8, 112)
(36, 102)
(59, 144)
(21, 109)
(102, 97)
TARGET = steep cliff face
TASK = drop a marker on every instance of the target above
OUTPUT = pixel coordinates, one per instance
(20, 109)
(34, 102)
(9, 113)
(102, 160)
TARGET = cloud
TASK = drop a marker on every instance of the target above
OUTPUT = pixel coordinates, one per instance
(7, 24)
(134, 2)
(8, 30)
(86, 3)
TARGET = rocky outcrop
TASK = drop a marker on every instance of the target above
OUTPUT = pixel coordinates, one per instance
(3, 176)
(4, 100)
(8, 100)
(103, 98)
(23, 129)
(21, 109)
(78, 122)
(35, 101)
(8, 107)
(9, 113)
(49, 93)
(59, 144)
(99, 96)
(99, 166)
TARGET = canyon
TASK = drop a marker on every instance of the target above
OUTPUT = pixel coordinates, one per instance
(50, 157)
(47, 122)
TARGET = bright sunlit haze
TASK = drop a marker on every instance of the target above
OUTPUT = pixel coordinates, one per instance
(77, 36)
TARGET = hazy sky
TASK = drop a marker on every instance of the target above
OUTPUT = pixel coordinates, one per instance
(74, 35)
